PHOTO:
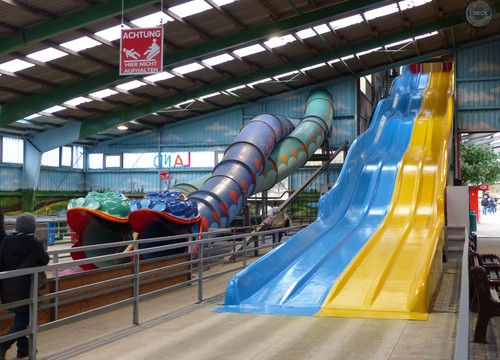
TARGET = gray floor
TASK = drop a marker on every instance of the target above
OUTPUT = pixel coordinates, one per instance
(176, 327)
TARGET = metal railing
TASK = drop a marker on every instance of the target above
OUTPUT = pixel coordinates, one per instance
(205, 250)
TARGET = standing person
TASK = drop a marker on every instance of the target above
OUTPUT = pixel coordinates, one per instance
(20, 250)
(2, 226)
(484, 204)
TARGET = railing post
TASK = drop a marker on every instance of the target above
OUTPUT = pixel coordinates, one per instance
(136, 290)
(200, 272)
(55, 260)
(33, 324)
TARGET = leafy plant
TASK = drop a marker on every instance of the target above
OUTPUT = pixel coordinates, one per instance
(479, 165)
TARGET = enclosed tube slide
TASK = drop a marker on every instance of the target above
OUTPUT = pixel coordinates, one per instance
(297, 277)
(267, 150)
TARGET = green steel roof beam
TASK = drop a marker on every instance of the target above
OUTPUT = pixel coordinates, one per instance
(43, 31)
(18, 109)
(101, 123)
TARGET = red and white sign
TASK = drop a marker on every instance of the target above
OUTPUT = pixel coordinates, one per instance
(164, 175)
(141, 51)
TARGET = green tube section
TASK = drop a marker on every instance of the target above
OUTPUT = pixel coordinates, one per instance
(293, 152)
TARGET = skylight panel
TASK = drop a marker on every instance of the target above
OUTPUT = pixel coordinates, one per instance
(321, 29)
(112, 33)
(81, 44)
(368, 51)
(224, 2)
(306, 33)
(77, 101)
(185, 69)
(347, 57)
(32, 116)
(236, 88)
(381, 11)
(405, 41)
(54, 109)
(260, 81)
(159, 77)
(219, 59)
(426, 35)
(345, 22)
(333, 61)
(101, 94)
(313, 67)
(48, 54)
(209, 95)
(186, 102)
(408, 4)
(286, 74)
(249, 50)
(279, 41)
(15, 65)
(134, 84)
(190, 8)
(152, 20)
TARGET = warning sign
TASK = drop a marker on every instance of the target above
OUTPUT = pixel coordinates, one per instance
(164, 175)
(141, 51)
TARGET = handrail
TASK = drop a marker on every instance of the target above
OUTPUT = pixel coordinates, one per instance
(463, 323)
(130, 281)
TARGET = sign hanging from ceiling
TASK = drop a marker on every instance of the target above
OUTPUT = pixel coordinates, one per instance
(141, 51)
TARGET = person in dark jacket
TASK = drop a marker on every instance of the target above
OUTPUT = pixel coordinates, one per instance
(20, 250)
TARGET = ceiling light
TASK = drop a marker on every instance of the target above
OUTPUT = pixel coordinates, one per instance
(122, 127)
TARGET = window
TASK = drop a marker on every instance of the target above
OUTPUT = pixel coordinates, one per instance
(12, 150)
(112, 161)
(51, 158)
(66, 156)
(96, 161)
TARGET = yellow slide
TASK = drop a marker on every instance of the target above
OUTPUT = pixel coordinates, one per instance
(395, 274)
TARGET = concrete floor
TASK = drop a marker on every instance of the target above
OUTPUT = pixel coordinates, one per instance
(175, 326)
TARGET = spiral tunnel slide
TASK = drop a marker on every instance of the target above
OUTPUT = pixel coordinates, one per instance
(386, 207)
(266, 151)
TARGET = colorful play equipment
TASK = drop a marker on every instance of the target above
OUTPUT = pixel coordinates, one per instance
(268, 149)
(375, 249)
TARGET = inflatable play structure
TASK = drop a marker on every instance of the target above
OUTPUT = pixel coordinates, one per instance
(375, 249)
(267, 150)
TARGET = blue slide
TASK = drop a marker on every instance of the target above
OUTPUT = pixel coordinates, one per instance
(297, 276)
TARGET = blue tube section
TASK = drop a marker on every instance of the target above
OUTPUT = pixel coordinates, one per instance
(296, 277)
(222, 195)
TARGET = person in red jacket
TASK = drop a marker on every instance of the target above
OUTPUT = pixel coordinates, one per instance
(20, 250)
